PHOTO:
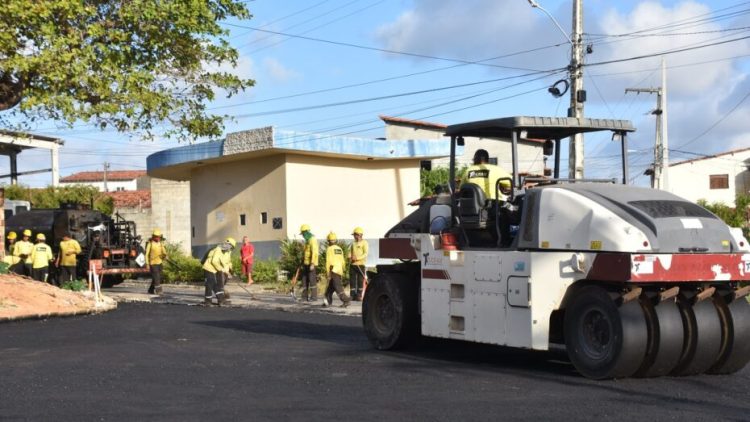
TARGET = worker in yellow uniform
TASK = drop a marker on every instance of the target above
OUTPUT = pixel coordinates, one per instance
(486, 175)
(309, 262)
(11, 259)
(358, 259)
(23, 251)
(67, 258)
(156, 253)
(217, 265)
(41, 255)
(335, 264)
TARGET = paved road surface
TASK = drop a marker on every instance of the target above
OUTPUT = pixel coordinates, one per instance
(168, 362)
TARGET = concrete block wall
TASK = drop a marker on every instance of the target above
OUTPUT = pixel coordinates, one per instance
(170, 211)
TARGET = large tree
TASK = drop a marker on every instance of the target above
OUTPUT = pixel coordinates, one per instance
(139, 66)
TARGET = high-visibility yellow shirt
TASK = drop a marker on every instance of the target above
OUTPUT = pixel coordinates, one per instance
(359, 252)
(23, 247)
(310, 254)
(155, 252)
(335, 260)
(41, 255)
(68, 251)
(11, 260)
(486, 175)
(218, 261)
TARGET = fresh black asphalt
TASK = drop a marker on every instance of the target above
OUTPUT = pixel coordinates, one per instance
(167, 362)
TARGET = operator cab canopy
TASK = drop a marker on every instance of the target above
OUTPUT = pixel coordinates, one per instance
(534, 127)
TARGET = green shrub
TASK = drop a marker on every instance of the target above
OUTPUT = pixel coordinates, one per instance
(52, 197)
(266, 272)
(437, 176)
(180, 267)
(75, 285)
(734, 217)
(291, 256)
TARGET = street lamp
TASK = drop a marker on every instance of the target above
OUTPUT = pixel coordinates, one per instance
(536, 5)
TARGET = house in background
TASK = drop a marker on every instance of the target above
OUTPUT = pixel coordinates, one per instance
(715, 178)
(265, 183)
(530, 156)
(109, 181)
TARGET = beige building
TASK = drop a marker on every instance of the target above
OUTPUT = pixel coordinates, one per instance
(716, 178)
(530, 157)
(265, 183)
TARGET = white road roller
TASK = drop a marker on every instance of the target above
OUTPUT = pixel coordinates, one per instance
(633, 281)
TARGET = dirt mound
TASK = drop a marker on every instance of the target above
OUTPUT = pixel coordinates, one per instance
(22, 297)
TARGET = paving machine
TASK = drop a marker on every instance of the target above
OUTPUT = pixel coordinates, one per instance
(113, 240)
(631, 281)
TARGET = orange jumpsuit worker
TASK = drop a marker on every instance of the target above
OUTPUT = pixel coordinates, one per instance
(246, 255)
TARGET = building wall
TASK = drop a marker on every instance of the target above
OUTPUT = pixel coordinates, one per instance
(170, 205)
(530, 158)
(141, 217)
(333, 194)
(220, 193)
(691, 180)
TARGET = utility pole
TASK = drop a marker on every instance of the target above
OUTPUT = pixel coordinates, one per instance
(661, 152)
(577, 94)
(106, 169)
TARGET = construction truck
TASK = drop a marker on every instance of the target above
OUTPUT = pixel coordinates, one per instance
(112, 240)
(631, 281)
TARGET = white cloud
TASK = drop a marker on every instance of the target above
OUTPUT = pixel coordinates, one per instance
(474, 30)
(278, 72)
(698, 95)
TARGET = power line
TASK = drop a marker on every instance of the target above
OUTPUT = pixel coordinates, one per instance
(721, 119)
(384, 97)
(666, 52)
(381, 50)
(320, 26)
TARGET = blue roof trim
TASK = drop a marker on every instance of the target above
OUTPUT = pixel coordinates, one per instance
(186, 154)
(314, 143)
(362, 147)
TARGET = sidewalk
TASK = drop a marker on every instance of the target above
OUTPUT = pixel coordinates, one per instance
(240, 296)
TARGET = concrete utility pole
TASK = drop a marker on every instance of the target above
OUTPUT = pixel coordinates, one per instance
(106, 169)
(659, 179)
(577, 94)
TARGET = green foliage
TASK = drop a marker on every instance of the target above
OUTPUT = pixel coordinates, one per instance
(266, 271)
(52, 197)
(291, 256)
(180, 267)
(437, 176)
(138, 66)
(75, 285)
(734, 217)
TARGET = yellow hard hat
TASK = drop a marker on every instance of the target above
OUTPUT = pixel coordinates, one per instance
(12, 235)
(156, 233)
(332, 236)
(231, 241)
(41, 236)
(304, 228)
(358, 230)
(27, 232)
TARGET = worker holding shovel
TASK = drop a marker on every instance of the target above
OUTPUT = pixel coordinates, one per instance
(335, 270)
(358, 256)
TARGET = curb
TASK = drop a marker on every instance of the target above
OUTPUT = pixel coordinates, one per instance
(91, 311)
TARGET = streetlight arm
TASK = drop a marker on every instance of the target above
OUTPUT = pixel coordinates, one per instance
(536, 5)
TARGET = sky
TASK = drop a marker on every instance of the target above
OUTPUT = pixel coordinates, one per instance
(333, 66)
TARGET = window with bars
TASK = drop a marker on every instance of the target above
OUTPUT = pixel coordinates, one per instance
(719, 181)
